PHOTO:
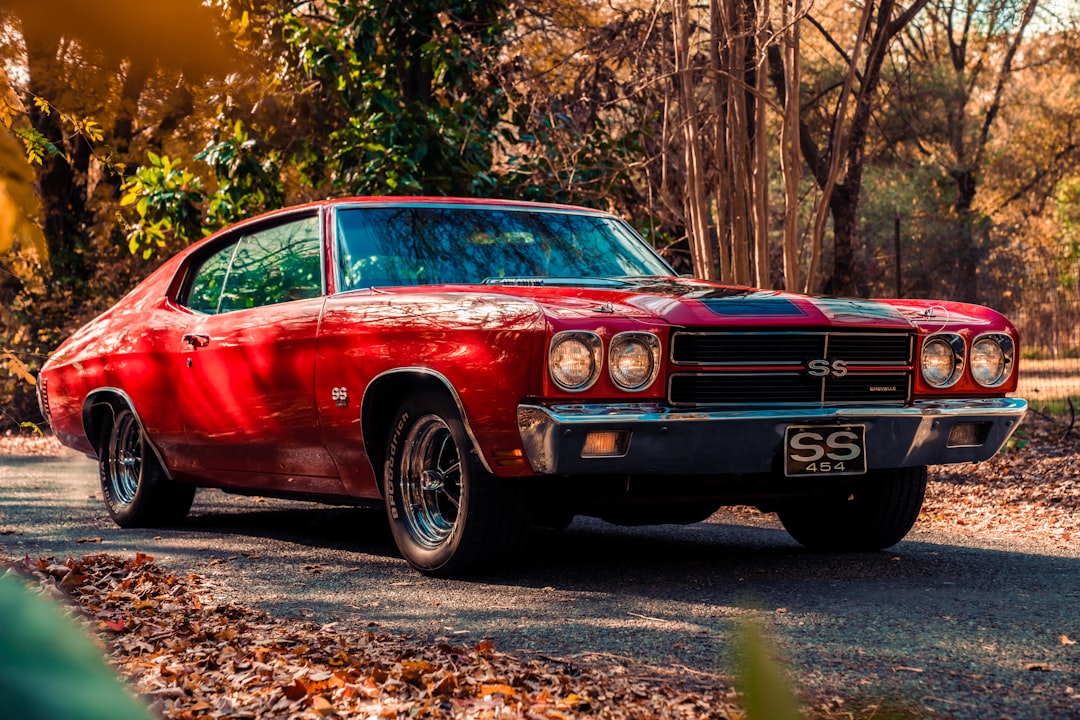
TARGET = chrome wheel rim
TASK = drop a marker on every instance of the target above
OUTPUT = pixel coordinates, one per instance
(125, 459)
(431, 482)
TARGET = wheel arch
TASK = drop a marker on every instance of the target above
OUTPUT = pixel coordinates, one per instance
(382, 397)
(99, 411)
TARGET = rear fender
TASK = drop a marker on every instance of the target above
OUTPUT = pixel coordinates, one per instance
(99, 412)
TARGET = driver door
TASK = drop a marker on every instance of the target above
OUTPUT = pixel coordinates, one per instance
(247, 371)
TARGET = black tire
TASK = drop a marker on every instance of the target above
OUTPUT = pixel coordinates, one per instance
(136, 490)
(874, 515)
(447, 514)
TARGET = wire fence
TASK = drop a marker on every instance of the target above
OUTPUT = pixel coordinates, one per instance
(1050, 359)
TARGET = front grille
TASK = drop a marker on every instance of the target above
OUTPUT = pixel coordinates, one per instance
(789, 348)
(757, 368)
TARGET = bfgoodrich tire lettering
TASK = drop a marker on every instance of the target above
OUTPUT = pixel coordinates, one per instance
(136, 490)
(447, 514)
(876, 514)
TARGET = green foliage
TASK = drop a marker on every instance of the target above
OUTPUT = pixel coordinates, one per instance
(50, 669)
(561, 160)
(405, 90)
(1067, 209)
(247, 183)
(37, 145)
(171, 206)
(166, 198)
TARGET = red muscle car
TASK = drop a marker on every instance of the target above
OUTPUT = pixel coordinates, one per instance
(478, 367)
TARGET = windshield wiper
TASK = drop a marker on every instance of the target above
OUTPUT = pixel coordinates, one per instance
(538, 281)
(521, 281)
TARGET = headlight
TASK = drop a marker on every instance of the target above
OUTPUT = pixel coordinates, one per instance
(574, 359)
(942, 360)
(634, 360)
(992, 359)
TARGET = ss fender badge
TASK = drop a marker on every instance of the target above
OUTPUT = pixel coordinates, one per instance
(340, 396)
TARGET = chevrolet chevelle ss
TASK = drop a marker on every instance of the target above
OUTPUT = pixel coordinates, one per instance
(479, 367)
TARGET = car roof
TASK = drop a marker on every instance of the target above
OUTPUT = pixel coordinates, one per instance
(434, 201)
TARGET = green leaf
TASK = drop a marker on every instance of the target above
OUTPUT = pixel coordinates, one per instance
(50, 669)
(93, 131)
(766, 691)
(32, 426)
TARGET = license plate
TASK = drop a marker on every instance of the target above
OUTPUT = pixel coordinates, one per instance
(824, 450)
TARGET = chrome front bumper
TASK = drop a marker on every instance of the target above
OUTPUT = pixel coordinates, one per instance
(669, 441)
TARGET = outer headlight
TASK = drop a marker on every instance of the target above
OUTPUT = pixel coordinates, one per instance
(942, 360)
(992, 359)
(574, 359)
(634, 360)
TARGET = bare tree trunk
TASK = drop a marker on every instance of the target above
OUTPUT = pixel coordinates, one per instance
(61, 181)
(790, 160)
(697, 211)
(762, 265)
(838, 150)
(724, 190)
(966, 174)
(737, 136)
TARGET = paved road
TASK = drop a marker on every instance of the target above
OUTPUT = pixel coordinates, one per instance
(941, 626)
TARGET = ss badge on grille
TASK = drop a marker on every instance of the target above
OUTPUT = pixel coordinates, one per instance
(823, 367)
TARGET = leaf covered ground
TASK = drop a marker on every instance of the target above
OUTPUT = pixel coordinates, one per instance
(192, 657)
(1031, 487)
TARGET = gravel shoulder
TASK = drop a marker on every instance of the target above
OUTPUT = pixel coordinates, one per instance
(974, 615)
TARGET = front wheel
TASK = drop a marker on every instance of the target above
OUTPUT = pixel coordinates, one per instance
(136, 490)
(448, 515)
(874, 515)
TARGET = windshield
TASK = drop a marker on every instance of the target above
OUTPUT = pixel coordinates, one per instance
(421, 245)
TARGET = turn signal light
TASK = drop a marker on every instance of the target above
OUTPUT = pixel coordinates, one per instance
(606, 444)
(509, 458)
(967, 435)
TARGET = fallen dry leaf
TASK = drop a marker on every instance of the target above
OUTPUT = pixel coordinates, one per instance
(194, 657)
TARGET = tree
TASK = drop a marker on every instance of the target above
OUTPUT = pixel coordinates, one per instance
(83, 73)
(406, 93)
(82, 85)
(840, 112)
(956, 68)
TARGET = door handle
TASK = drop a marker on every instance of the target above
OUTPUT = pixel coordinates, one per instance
(195, 340)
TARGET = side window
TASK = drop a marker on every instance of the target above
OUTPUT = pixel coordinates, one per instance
(270, 266)
(205, 291)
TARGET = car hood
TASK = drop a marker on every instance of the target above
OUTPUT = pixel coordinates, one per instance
(688, 302)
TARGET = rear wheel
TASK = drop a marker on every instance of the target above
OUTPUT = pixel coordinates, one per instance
(877, 513)
(136, 490)
(448, 515)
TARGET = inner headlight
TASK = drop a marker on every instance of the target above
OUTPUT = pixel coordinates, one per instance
(992, 359)
(574, 359)
(634, 360)
(942, 360)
